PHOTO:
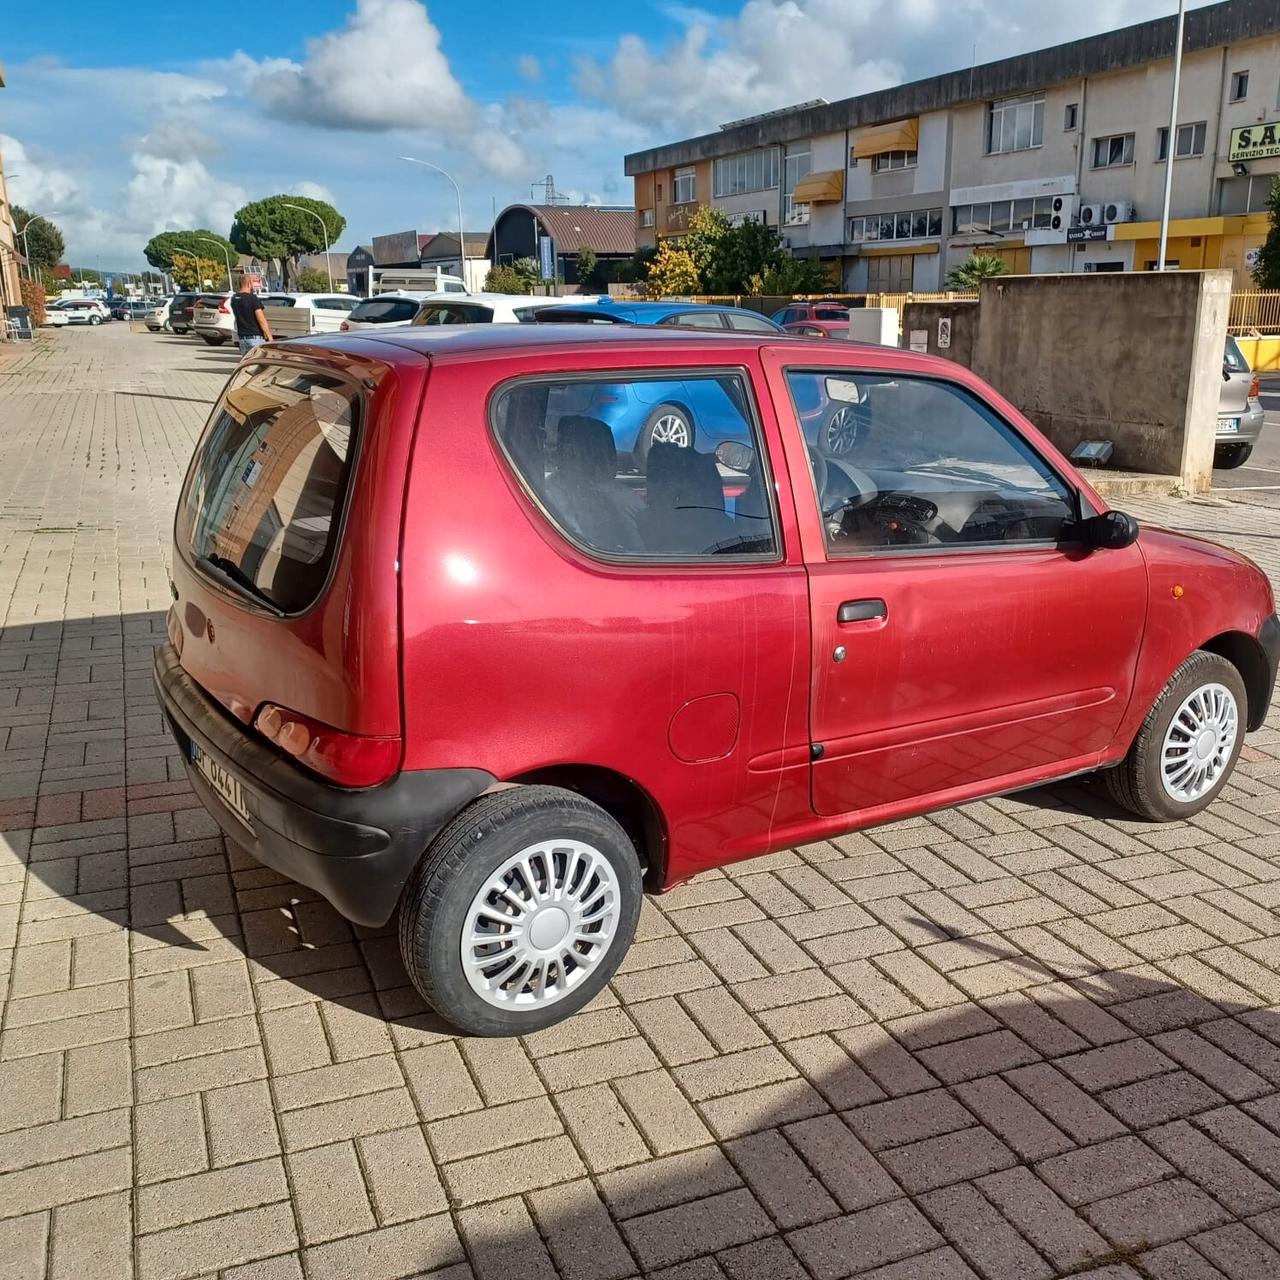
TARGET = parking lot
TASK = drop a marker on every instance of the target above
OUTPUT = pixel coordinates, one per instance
(1026, 1038)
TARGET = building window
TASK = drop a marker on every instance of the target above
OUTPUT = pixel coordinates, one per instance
(684, 186)
(1002, 216)
(796, 165)
(1015, 124)
(1071, 117)
(1113, 151)
(646, 217)
(1244, 195)
(658, 192)
(750, 171)
(1190, 141)
(1239, 86)
(918, 224)
(887, 160)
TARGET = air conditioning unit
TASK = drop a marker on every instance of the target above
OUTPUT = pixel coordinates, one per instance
(1120, 211)
(1091, 215)
(1063, 211)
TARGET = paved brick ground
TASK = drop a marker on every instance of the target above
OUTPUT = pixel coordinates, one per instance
(1023, 1039)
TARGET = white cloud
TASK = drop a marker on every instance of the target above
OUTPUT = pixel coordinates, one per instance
(529, 67)
(312, 190)
(385, 69)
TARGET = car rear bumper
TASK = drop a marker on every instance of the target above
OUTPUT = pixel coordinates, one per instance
(357, 848)
(1251, 423)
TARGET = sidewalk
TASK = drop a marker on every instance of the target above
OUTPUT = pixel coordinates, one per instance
(1026, 1038)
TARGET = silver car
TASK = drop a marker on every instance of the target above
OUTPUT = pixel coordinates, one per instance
(1240, 415)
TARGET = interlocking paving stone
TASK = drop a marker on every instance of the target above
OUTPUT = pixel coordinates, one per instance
(1022, 1039)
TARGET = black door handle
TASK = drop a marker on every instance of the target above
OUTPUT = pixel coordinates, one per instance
(861, 611)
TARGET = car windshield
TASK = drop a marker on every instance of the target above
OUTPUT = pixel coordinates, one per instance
(1233, 358)
(264, 494)
(386, 310)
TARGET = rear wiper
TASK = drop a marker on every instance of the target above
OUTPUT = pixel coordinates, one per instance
(230, 574)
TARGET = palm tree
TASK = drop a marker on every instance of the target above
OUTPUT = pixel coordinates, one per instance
(981, 266)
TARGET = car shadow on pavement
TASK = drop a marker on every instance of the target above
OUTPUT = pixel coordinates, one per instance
(936, 1100)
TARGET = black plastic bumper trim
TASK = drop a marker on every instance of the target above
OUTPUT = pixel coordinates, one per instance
(356, 848)
(1269, 641)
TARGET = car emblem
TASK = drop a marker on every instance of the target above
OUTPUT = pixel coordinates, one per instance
(208, 629)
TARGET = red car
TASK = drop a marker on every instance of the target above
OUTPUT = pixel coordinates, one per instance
(435, 650)
(814, 319)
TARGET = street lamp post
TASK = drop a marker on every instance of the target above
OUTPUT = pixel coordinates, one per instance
(26, 252)
(457, 191)
(231, 284)
(324, 235)
(1172, 143)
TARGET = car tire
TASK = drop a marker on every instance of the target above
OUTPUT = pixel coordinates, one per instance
(95, 320)
(1173, 771)
(213, 342)
(1229, 456)
(666, 424)
(841, 430)
(529, 845)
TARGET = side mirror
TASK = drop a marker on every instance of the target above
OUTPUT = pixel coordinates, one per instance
(1111, 531)
(735, 455)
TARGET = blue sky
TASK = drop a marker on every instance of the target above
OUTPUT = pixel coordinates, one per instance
(120, 120)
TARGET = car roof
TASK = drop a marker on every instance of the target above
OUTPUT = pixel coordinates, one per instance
(652, 312)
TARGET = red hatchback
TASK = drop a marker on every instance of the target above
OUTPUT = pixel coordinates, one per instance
(438, 648)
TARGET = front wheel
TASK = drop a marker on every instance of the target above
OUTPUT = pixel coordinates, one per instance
(212, 342)
(1230, 456)
(667, 424)
(95, 320)
(1188, 744)
(520, 911)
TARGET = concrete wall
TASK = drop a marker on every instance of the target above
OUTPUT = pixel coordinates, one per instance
(1131, 358)
(917, 316)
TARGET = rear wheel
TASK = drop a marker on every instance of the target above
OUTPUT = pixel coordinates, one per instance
(1188, 744)
(667, 424)
(1230, 456)
(95, 320)
(211, 341)
(521, 910)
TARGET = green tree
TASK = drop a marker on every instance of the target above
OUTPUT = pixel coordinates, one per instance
(1266, 271)
(313, 280)
(672, 273)
(636, 268)
(161, 249)
(787, 276)
(43, 241)
(268, 229)
(979, 267)
(190, 272)
(520, 276)
(705, 242)
(588, 266)
(750, 249)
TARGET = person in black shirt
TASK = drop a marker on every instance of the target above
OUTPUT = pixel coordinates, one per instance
(252, 328)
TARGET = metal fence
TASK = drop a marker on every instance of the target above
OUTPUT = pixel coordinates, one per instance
(1254, 313)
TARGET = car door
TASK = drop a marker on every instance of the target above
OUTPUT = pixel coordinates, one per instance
(964, 640)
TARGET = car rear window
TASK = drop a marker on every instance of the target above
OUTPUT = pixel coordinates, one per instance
(264, 495)
(386, 310)
(1233, 358)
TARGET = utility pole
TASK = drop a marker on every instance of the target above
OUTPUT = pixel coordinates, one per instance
(1172, 143)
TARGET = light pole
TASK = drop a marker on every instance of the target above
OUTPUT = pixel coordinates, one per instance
(231, 284)
(26, 252)
(324, 235)
(1171, 145)
(457, 191)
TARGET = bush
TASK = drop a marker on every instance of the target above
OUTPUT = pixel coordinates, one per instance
(313, 280)
(980, 267)
(33, 297)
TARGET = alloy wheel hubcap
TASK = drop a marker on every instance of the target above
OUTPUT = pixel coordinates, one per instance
(671, 429)
(842, 431)
(1199, 742)
(540, 924)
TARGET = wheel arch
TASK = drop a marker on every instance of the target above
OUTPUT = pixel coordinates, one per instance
(629, 804)
(1245, 654)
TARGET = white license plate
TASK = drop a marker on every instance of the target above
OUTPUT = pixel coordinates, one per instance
(227, 787)
(1228, 426)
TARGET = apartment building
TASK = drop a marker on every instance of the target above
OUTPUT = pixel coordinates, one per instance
(10, 253)
(1054, 160)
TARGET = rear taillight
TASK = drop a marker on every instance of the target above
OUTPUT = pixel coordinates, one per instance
(225, 306)
(349, 759)
(1255, 388)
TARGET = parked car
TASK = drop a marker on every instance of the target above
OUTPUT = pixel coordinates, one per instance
(511, 683)
(677, 315)
(296, 315)
(181, 306)
(158, 316)
(56, 317)
(492, 308)
(211, 317)
(90, 311)
(394, 309)
(814, 319)
(1240, 413)
(131, 309)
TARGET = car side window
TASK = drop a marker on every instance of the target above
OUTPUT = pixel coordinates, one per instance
(750, 324)
(695, 320)
(659, 468)
(906, 462)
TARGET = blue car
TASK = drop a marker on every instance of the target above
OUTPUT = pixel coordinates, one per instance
(676, 315)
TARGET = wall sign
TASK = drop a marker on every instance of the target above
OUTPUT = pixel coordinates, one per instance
(1255, 142)
(1076, 234)
(944, 333)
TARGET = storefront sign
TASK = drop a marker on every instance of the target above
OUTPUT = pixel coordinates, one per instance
(546, 257)
(1255, 142)
(1076, 234)
(1251, 258)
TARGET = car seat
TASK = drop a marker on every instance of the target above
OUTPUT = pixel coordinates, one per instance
(685, 512)
(584, 493)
